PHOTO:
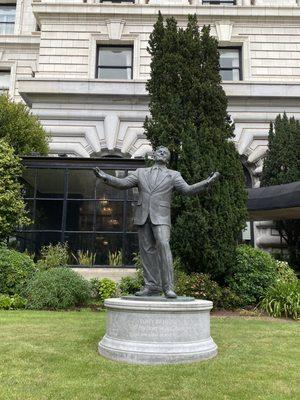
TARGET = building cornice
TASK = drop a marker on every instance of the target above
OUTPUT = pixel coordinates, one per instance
(39, 89)
(43, 9)
(24, 40)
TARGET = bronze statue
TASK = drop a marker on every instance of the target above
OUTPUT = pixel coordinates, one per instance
(153, 217)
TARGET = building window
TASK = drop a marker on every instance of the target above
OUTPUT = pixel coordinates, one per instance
(114, 62)
(7, 19)
(4, 81)
(219, 2)
(67, 203)
(230, 63)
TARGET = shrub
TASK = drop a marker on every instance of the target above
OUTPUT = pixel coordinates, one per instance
(131, 284)
(14, 302)
(85, 258)
(5, 302)
(284, 272)
(229, 300)
(12, 207)
(57, 288)
(200, 286)
(102, 289)
(283, 299)
(21, 129)
(253, 273)
(107, 289)
(53, 256)
(15, 270)
(115, 258)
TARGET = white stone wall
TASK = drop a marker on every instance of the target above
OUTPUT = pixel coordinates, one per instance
(271, 50)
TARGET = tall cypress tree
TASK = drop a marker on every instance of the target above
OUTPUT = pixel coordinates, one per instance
(189, 115)
(282, 165)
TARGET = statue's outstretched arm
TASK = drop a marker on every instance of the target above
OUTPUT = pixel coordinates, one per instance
(184, 188)
(120, 183)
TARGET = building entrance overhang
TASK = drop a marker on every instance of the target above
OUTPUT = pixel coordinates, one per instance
(274, 202)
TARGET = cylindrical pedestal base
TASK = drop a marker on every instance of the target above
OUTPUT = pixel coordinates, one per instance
(157, 332)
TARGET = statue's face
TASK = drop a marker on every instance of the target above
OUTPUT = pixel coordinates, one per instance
(162, 155)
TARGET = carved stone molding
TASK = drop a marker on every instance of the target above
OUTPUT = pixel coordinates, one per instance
(115, 28)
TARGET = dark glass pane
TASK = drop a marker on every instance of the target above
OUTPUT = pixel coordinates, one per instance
(7, 13)
(226, 75)
(130, 227)
(44, 239)
(23, 241)
(229, 58)
(81, 247)
(81, 184)
(114, 73)
(33, 241)
(115, 56)
(29, 204)
(106, 244)
(109, 215)
(28, 182)
(131, 248)
(48, 214)
(105, 192)
(80, 215)
(50, 183)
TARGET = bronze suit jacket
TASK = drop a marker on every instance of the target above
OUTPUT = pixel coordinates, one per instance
(155, 201)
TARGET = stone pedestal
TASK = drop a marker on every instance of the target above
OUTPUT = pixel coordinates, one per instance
(157, 331)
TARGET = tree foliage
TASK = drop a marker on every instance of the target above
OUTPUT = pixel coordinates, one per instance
(189, 115)
(12, 208)
(282, 165)
(21, 129)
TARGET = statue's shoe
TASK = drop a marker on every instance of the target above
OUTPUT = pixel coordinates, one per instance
(170, 294)
(147, 292)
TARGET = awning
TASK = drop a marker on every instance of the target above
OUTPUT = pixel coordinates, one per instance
(274, 202)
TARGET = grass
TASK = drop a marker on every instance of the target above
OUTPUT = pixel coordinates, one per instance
(53, 355)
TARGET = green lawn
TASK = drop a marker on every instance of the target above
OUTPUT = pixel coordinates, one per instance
(53, 355)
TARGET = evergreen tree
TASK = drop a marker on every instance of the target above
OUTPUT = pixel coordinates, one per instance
(12, 208)
(282, 165)
(189, 115)
(20, 129)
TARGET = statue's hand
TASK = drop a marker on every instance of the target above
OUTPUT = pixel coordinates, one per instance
(214, 176)
(99, 173)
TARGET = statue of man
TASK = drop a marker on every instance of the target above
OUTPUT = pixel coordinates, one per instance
(153, 217)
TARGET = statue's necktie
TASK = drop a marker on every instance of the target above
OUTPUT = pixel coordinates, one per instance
(154, 175)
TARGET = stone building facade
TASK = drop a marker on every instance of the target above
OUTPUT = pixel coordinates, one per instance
(81, 65)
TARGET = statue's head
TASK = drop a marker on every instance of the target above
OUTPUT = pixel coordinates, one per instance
(162, 155)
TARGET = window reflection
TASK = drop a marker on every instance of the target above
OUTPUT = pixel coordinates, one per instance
(92, 217)
(50, 183)
(109, 216)
(106, 244)
(28, 182)
(80, 215)
(81, 248)
(105, 192)
(48, 214)
(81, 184)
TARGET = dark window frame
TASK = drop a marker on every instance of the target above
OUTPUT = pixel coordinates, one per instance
(117, 1)
(67, 164)
(240, 51)
(98, 66)
(219, 2)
